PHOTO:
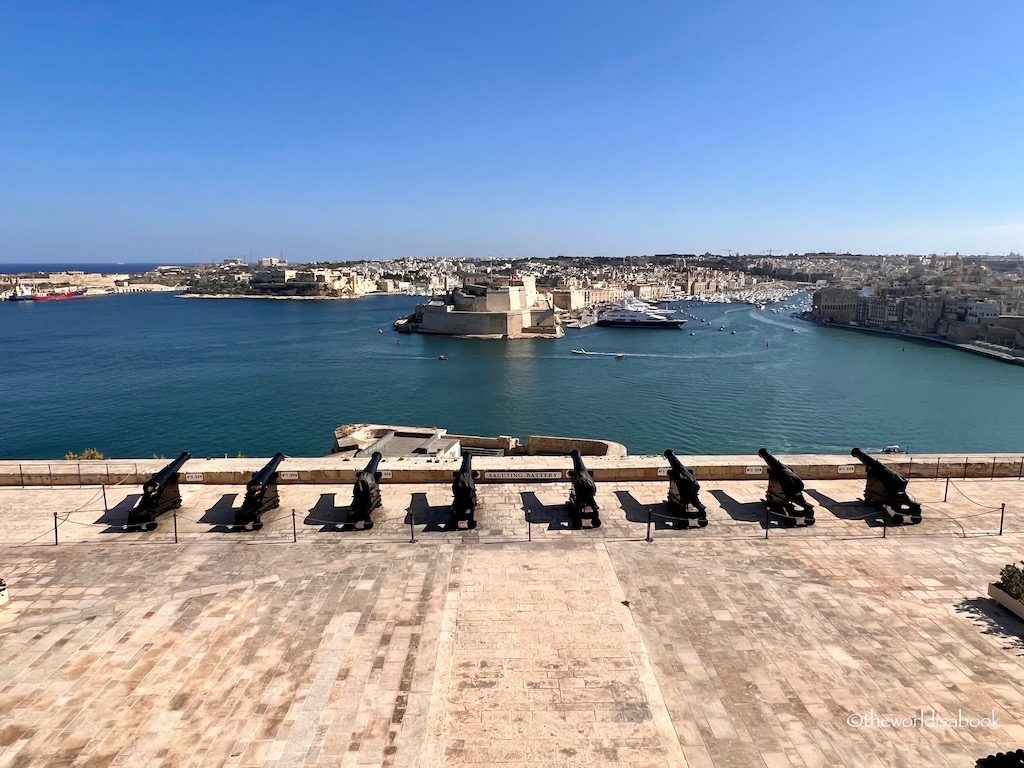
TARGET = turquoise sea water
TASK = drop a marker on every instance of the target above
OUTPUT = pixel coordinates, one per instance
(155, 374)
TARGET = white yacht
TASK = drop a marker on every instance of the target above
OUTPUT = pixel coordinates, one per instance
(636, 314)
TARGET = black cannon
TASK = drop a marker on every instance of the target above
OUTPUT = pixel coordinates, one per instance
(785, 495)
(464, 494)
(1013, 759)
(886, 489)
(159, 494)
(682, 492)
(582, 496)
(366, 493)
(260, 495)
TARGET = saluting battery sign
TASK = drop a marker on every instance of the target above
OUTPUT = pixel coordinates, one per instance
(555, 474)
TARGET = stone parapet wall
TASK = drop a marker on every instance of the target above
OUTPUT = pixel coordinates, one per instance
(337, 470)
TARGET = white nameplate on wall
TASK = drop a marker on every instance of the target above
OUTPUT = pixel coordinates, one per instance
(753, 470)
(385, 474)
(193, 477)
(662, 471)
(846, 469)
(293, 475)
(555, 474)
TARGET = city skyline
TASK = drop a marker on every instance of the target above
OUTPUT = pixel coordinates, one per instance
(139, 134)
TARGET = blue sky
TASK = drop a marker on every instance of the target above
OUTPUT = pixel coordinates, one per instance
(153, 131)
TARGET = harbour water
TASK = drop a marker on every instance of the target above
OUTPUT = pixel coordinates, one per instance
(138, 375)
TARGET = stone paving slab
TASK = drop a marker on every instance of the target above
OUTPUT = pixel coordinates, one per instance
(707, 647)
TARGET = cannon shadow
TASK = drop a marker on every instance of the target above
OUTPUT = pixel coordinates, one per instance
(221, 515)
(328, 516)
(116, 517)
(995, 621)
(748, 512)
(665, 518)
(433, 518)
(848, 510)
(555, 516)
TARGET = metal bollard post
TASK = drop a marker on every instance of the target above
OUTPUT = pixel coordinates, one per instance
(1020, 472)
(105, 509)
(529, 526)
(993, 468)
(174, 517)
(1002, 517)
(965, 467)
(412, 529)
(945, 496)
(21, 471)
(295, 532)
(56, 541)
(650, 517)
(885, 524)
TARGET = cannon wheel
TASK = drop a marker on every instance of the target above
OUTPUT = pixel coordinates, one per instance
(151, 526)
(471, 523)
(595, 521)
(809, 520)
(367, 524)
(177, 504)
(257, 525)
(702, 522)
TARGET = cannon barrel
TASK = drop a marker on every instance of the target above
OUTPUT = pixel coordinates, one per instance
(464, 499)
(683, 490)
(577, 462)
(674, 462)
(783, 473)
(261, 478)
(769, 459)
(366, 491)
(371, 465)
(159, 479)
(883, 471)
(868, 461)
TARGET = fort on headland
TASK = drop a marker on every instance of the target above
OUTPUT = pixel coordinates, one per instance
(488, 307)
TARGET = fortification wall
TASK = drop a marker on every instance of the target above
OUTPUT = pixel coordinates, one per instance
(341, 471)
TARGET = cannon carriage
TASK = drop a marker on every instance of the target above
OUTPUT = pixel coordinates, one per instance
(784, 497)
(160, 494)
(886, 490)
(683, 490)
(464, 494)
(260, 495)
(582, 498)
(366, 493)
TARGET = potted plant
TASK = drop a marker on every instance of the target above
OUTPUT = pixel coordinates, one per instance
(1009, 590)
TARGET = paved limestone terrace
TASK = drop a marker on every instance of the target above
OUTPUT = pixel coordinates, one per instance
(482, 648)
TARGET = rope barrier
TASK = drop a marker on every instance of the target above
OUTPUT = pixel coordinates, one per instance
(975, 503)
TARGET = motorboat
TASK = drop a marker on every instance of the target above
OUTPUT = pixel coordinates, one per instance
(636, 314)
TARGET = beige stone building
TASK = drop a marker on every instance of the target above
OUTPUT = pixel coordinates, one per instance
(509, 308)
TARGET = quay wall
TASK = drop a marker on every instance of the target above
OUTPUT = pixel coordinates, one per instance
(517, 469)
